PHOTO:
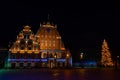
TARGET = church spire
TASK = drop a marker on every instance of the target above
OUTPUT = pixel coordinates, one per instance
(48, 23)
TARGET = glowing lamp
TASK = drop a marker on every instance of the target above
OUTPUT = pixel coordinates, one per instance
(67, 55)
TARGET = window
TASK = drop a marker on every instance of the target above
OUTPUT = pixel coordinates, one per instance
(44, 55)
(49, 36)
(53, 43)
(46, 43)
(42, 36)
(37, 56)
(45, 36)
(59, 55)
(53, 37)
(21, 56)
(29, 48)
(29, 56)
(30, 42)
(22, 47)
(42, 44)
(49, 43)
(22, 44)
(13, 56)
(42, 41)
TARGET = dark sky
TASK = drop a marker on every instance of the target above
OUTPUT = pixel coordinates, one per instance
(83, 25)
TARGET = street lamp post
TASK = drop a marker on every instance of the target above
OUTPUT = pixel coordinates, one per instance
(67, 59)
(81, 56)
(55, 59)
(81, 59)
(117, 61)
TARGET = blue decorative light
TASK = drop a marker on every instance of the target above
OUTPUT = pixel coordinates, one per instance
(51, 58)
(36, 60)
(22, 60)
(60, 60)
(43, 60)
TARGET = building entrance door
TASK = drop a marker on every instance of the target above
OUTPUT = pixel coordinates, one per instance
(13, 65)
(28, 65)
(21, 65)
(51, 64)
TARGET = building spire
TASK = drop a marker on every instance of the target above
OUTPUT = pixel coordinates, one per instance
(48, 17)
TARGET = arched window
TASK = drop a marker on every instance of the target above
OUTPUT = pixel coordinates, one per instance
(44, 55)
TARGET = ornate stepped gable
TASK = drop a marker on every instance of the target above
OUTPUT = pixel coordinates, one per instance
(49, 37)
(26, 42)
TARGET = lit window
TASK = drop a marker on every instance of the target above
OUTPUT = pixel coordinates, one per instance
(42, 36)
(49, 36)
(54, 45)
(53, 42)
(45, 43)
(53, 36)
(44, 55)
(45, 36)
(42, 44)
(59, 55)
(49, 43)
(42, 41)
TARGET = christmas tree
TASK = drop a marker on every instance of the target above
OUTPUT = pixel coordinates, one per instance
(106, 59)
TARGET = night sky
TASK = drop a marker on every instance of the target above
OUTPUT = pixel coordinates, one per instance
(83, 25)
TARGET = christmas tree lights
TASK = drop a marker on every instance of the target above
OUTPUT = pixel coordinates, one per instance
(106, 59)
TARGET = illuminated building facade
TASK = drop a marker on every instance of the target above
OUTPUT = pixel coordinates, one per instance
(25, 51)
(51, 46)
(45, 49)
